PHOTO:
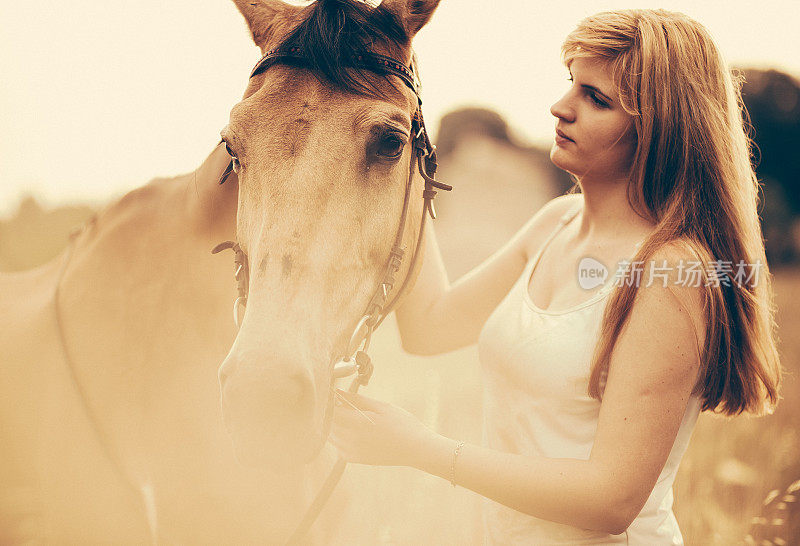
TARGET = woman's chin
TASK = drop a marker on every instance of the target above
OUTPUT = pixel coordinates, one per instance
(560, 158)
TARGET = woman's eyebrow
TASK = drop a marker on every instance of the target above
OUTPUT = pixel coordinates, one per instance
(596, 90)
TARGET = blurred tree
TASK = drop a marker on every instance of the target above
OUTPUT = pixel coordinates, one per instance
(459, 125)
(499, 183)
(772, 99)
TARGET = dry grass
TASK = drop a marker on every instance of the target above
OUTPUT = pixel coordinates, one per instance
(732, 464)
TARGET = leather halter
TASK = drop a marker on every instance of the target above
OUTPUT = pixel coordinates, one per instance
(423, 157)
(422, 152)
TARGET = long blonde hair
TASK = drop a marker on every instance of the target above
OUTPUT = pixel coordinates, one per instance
(692, 176)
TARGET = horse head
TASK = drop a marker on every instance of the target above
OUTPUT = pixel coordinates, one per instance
(323, 147)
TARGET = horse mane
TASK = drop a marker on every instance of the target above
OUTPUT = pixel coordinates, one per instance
(335, 32)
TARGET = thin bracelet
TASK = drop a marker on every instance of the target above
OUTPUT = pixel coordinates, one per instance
(456, 453)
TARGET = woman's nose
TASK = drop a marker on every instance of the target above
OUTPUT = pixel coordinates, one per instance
(562, 109)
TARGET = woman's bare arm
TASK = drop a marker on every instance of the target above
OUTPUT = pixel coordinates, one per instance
(653, 371)
(437, 316)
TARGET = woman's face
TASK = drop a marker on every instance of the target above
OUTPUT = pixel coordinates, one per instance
(594, 135)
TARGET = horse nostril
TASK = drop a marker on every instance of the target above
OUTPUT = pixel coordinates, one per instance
(289, 388)
(269, 405)
(300, 390)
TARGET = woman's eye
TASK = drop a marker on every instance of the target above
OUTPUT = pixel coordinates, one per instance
(390, 147)
(597, 100)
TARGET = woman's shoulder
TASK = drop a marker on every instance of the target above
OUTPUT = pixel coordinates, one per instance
(675, 268)
(547, 218)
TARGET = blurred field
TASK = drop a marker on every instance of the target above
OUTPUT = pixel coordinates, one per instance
(732, 465)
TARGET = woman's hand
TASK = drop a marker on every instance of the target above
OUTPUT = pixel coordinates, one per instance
(369, 431)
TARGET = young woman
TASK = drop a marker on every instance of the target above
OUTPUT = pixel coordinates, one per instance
(591, 394)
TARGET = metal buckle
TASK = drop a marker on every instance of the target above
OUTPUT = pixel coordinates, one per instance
(344, 368)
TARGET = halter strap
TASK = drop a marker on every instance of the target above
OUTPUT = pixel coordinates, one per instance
(423, 157)
(373, 62)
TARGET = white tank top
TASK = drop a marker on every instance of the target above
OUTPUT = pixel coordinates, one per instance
(536, 367)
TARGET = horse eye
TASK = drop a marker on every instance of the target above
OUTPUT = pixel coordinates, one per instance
(390, 146)
(237, 166)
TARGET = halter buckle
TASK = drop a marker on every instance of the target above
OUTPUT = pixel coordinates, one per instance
(344, 368)
(365, 367)
(360, 333)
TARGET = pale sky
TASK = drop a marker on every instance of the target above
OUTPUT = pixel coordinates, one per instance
(98, 97)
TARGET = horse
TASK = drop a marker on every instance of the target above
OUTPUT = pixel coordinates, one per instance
(116, 354)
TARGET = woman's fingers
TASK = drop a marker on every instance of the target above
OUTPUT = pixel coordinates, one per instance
(368, 431)
(348, 413)
(345, 417)
(360, 401)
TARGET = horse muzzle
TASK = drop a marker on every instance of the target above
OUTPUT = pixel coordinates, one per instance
(270, 412)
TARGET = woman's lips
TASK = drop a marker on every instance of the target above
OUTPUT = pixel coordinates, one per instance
(562, 139)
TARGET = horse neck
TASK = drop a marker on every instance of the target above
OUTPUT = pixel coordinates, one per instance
(145, 309)
(145, 306)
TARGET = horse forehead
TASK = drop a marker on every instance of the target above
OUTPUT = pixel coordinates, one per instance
(291, 92)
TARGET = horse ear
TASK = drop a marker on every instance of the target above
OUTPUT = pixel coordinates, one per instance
(260, 14)
(414, 14)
